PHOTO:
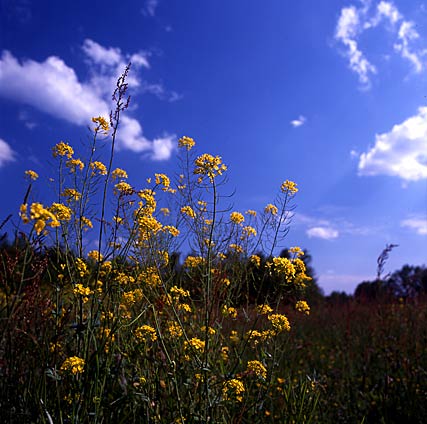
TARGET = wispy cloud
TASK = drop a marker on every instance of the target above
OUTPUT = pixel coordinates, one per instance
(298, 122)
(6, 153)
(150, 7)
(353, 21)
(400, 152)
(329, 229)
(417, 224)
(326, 233)
(53, 87)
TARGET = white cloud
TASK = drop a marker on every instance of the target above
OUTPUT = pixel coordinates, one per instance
(150, 7)
(6, 153)
(354, 21)
(401, 152)
(326, 233)
(419, 225)
(298, 122)
(347, 29)
(54, 88)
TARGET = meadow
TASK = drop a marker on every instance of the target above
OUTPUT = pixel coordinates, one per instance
(103, 321)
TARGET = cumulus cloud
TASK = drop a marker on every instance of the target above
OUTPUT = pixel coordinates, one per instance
(400, 152)
(326, 233)
(417, 224)
(54, 88)
(298, 122)
(354, 21)
(6, 153)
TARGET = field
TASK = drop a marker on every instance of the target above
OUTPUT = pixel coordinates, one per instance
(130, 332)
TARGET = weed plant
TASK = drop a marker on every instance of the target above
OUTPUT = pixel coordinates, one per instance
(126, 333)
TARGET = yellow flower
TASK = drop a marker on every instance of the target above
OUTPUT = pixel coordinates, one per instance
(174, 329)
(84, 292)
(163, 179)
(251, 212)
(73, 164)
(257, 368)
(283, 266)
(209, 165)
(248, 231)
(256, 260)
(85, 222)
(146, 332)
(263, 309)
(229, 311)
(165, 211)
(233, 390)
(289, 187)
(296, 251)
(224, 353)
(32, 175)
(62, 212)
(95, 255)
(73, 364)
(102, 124)
(236, 217)
(271, 209)
(187, 142)
(193, 261)
(62, 149)
(71, 193)
(279, 322)
(173, 231)
(195, 344)
(123, 187)
(119, 173)
(98, 166)
(302, 306)
(237, 248)
(187, 210)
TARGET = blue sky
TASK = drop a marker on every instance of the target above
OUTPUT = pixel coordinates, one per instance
(329, 94)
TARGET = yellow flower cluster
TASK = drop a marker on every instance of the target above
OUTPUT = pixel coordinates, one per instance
(150, 276)
(119, 173)
(302, 306)
(229, 311)
(263, 309)
(271, 209)
(248, 231)
(256, 260)
(236, 247)
(187, 142)
(296, 251)
(251, 212)
(173, 231)
(233, 390)
(98, 166)
(32, 174)
(62, 149)
(163, 180)
(289, 187)
(101, 124)
(73, 164)
(236, 218)
(40, 215)
(84, 292)
(257, 368)
(95, 255)
(73, 364)
(195, 344)
(193, 261)
(71, 194)
(279, 322)
(188, 210)
(81, 267)
(146, 332)
(174, 329)
(284, 267)
(123, 188)
(178, 292)
(209, 165)
(62, 212)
